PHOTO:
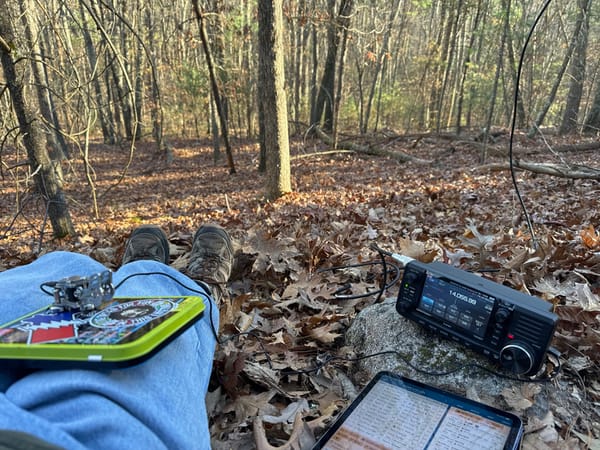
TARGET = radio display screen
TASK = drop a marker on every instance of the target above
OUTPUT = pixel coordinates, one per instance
(457, 304)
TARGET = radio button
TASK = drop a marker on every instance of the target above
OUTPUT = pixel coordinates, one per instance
(427, 303)
(465, 320)
(439, 310)
(452, 317)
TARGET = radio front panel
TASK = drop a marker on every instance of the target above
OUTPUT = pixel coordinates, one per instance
(508, 326)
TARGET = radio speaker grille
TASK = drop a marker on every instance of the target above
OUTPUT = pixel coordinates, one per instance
(529, 328)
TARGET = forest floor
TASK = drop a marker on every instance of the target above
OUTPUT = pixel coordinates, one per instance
(445, 205)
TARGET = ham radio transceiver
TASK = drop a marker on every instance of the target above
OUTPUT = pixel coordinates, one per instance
(508, 326)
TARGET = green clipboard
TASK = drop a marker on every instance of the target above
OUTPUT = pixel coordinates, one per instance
(119, 333)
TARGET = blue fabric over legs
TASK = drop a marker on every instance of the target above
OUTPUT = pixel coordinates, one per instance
(158, 404)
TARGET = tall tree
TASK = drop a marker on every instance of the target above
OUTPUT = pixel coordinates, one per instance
(108, 131)
(577, 69)
(323, 108)
(271, 78)
(58, 148)
(380, 63)
(488, 124)
(216, 91)
(465, 67)
(592, 120)
(17, 70)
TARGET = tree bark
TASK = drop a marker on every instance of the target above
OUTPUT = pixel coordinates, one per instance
(577, 69)
(16, 72)
(215, 87)
(379, 65)
(323, 107)
(108, 132)
(271, 78)
(58, 148)
(465, 68)
(505, 28)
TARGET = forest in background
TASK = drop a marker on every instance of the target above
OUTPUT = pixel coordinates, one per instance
(121, 93)
(120, 69)
(124, 71)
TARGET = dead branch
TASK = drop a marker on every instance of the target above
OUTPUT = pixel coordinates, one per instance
(571, 171)
(568, 148)
(5, 46)
(371, 149)
(317, 154)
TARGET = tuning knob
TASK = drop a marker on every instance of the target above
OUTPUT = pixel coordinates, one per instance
(501, 315)
(517, 357)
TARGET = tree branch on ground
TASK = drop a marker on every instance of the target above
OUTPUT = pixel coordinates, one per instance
(572, 171)
(370, 149)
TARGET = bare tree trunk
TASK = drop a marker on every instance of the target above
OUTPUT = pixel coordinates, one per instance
(15, 72)
(323, 106)
(58, 148)
(577, 69)
(215, 87)
(592, 120)
(512, 67)
(439, 53)
(569, 55)
(451, 37)
(506, 5)
(324, 94)
(465, 68)
(394, 10)
(271, 76)
(340, 73)
(314, 91)
(139, 91)
(108, 132)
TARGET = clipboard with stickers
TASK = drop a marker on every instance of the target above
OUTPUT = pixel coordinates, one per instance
(117, 333)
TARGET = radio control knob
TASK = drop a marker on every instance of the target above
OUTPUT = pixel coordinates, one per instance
(410, 277)
(502, 315)
(517, 357)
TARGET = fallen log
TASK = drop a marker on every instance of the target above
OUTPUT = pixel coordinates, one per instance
(572, 171)
(370, 149)
(568, 148)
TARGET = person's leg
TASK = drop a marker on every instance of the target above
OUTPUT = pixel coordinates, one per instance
(159, 403)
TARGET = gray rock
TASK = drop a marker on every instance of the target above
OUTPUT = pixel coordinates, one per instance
(380, 328)
(546, 408)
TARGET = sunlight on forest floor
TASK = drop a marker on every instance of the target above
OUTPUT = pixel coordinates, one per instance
(450, 209)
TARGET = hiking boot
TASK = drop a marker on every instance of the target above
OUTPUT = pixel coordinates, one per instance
(211, 259)
(147, 242)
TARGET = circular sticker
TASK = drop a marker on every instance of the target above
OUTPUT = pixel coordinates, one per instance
(132, 313)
